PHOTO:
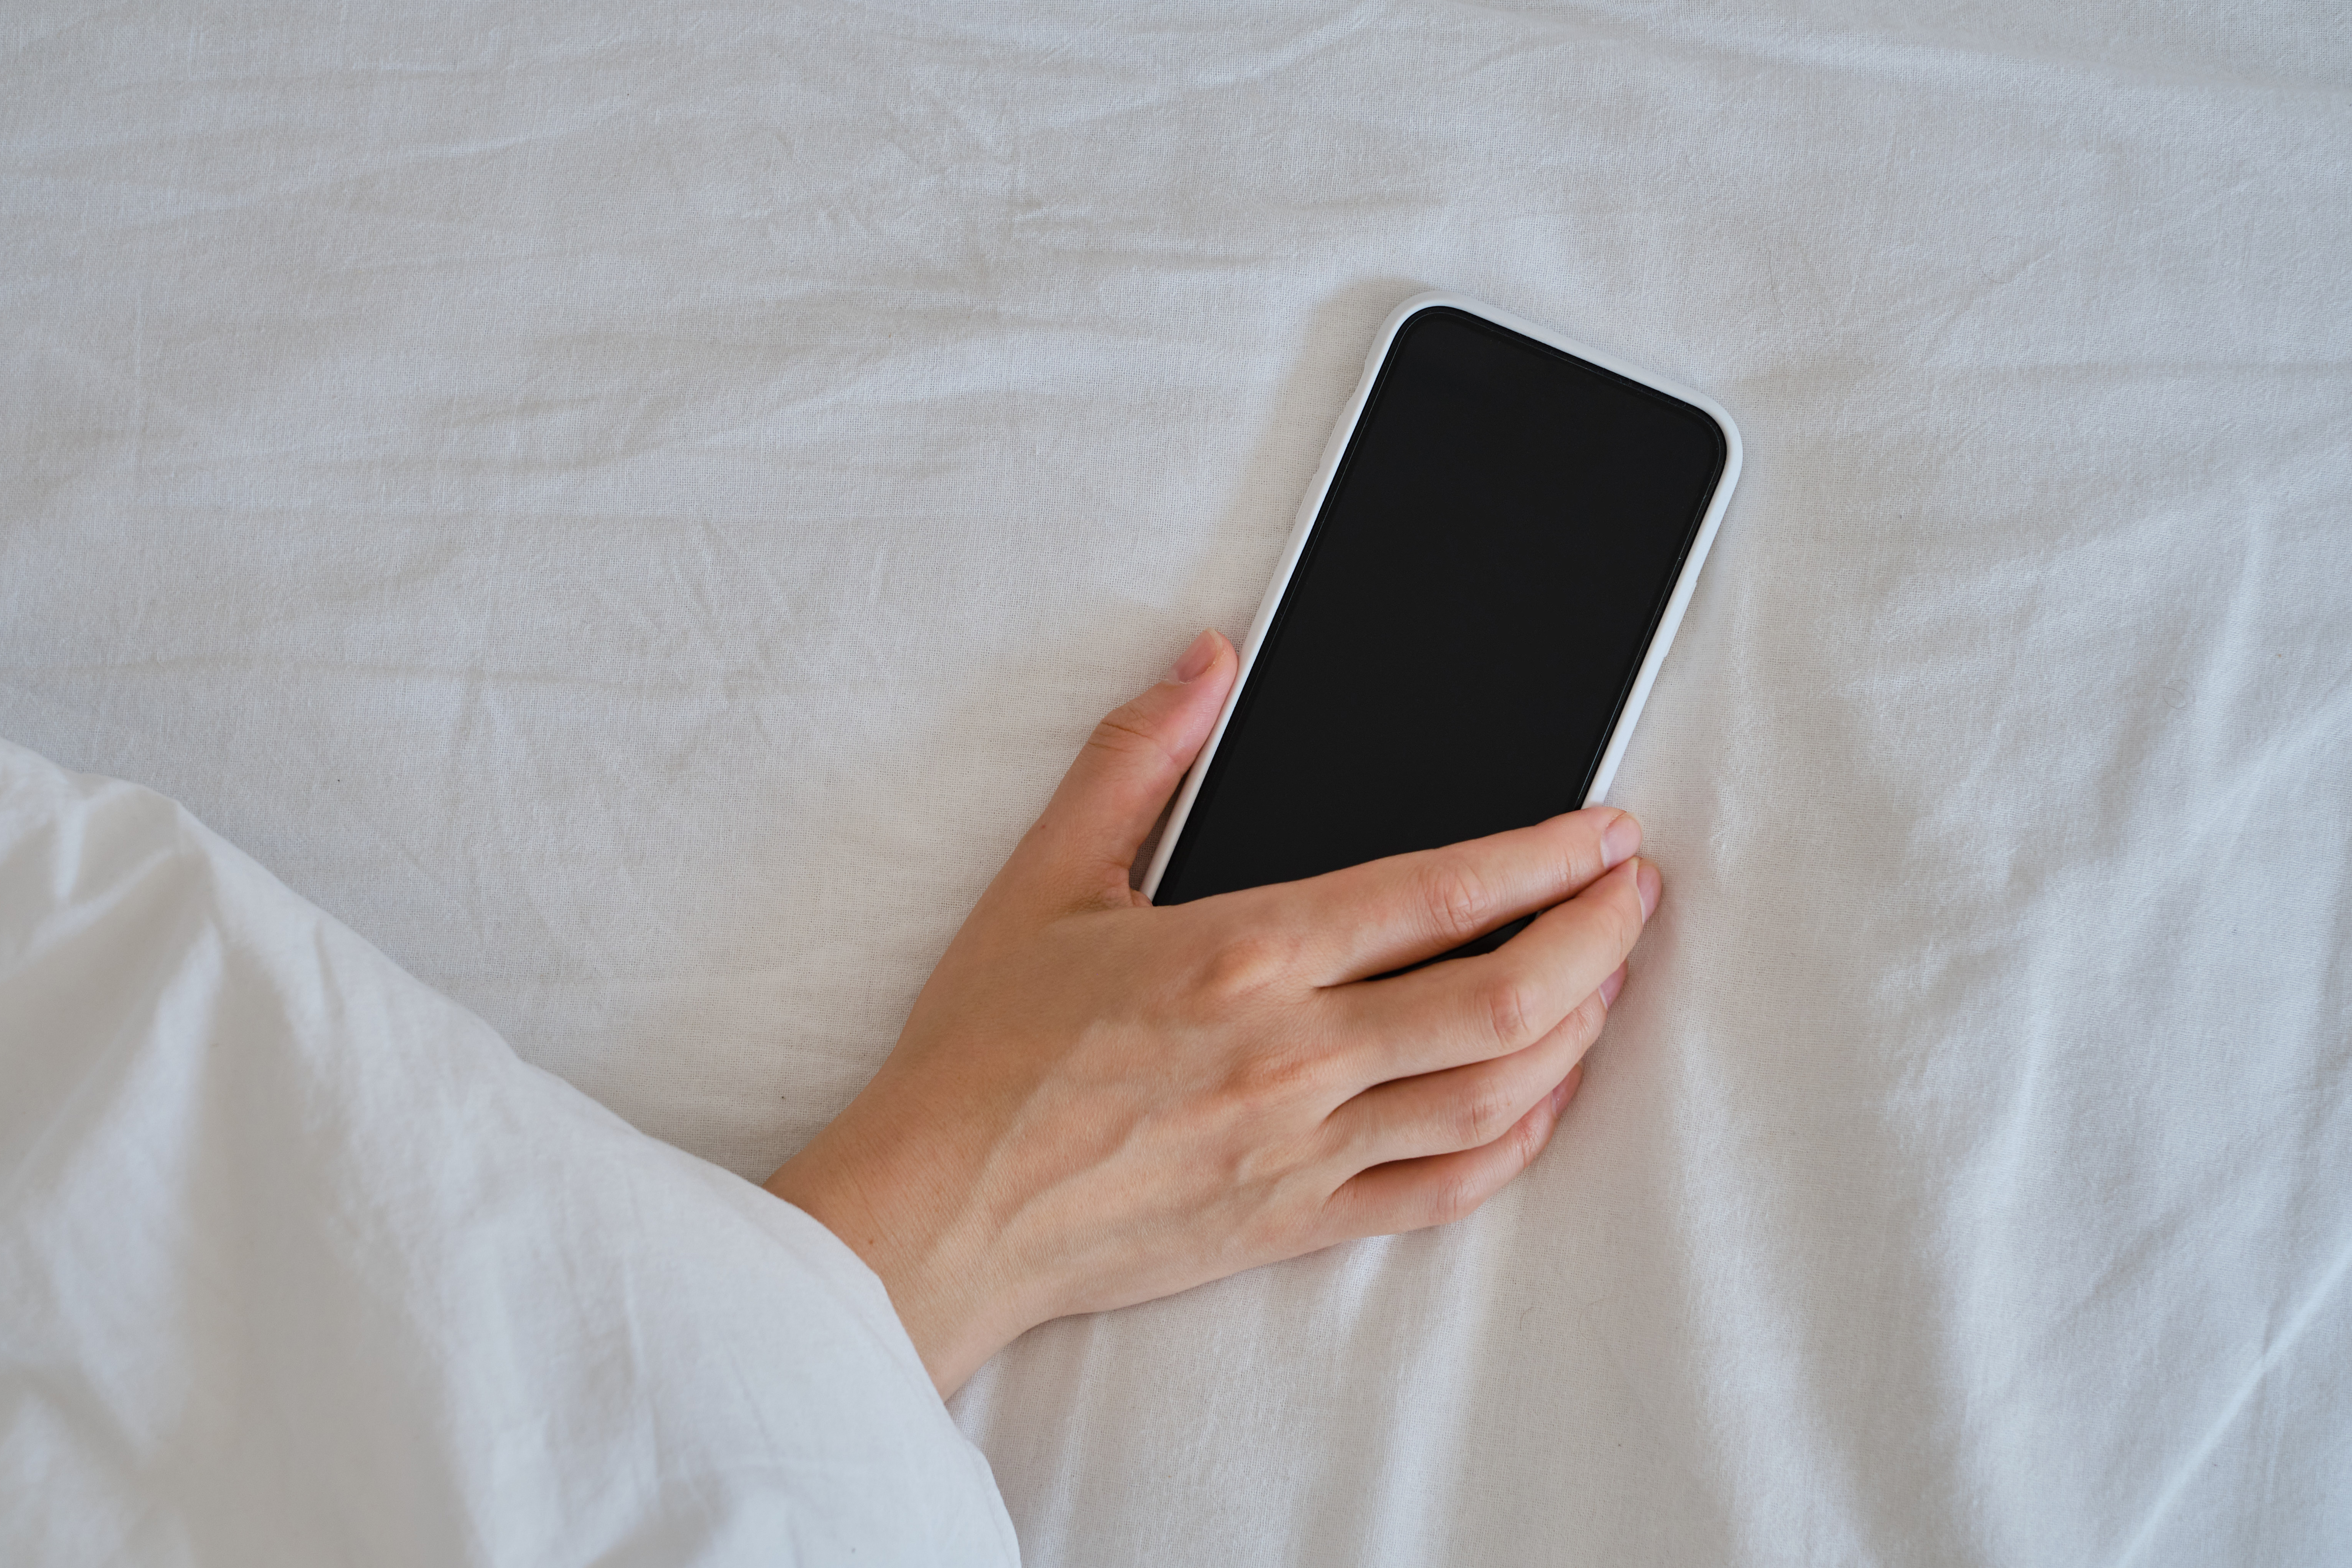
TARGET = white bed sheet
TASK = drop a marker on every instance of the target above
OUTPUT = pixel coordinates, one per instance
(631, 512)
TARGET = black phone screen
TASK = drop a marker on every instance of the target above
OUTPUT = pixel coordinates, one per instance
(1468, 613)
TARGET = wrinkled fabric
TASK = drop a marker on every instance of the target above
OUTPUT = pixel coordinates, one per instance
(298, 1264)
(632, 510)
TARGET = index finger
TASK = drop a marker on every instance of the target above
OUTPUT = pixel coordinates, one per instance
(1388, 914)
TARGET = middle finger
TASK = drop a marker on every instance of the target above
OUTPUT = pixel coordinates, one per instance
(1475, 1009)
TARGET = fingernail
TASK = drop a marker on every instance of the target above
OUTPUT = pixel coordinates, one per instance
(1619, 840)
(1611, 986)
(1196, 658)
(1566, 1089)
(1650, 884)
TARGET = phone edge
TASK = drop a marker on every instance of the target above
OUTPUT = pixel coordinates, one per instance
(1319, 489)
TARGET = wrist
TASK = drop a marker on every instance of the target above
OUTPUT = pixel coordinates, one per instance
(923, 1229)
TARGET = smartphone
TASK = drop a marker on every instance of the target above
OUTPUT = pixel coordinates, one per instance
(1484, 576)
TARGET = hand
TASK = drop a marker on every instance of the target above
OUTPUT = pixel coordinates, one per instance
(1095, 1102)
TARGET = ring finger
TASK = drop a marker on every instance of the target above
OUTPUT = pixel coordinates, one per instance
(1466, 1107)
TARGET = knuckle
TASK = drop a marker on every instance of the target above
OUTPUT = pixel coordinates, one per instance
(1246, 966)
(1456, 898)
(1456, 1197)
(1573, 845)
(1123, 733)
(1528, 1138)
(1482, 1115)
(1509, 1009)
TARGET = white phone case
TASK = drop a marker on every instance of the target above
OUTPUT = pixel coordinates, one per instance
(1320, 487)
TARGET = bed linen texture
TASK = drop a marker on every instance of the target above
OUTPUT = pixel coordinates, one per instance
(631, 510)
(300, 1264)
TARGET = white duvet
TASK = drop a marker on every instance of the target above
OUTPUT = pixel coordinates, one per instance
(298, 1264)
(631, 509)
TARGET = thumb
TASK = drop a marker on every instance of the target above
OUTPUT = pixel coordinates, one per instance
(1085, 841)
